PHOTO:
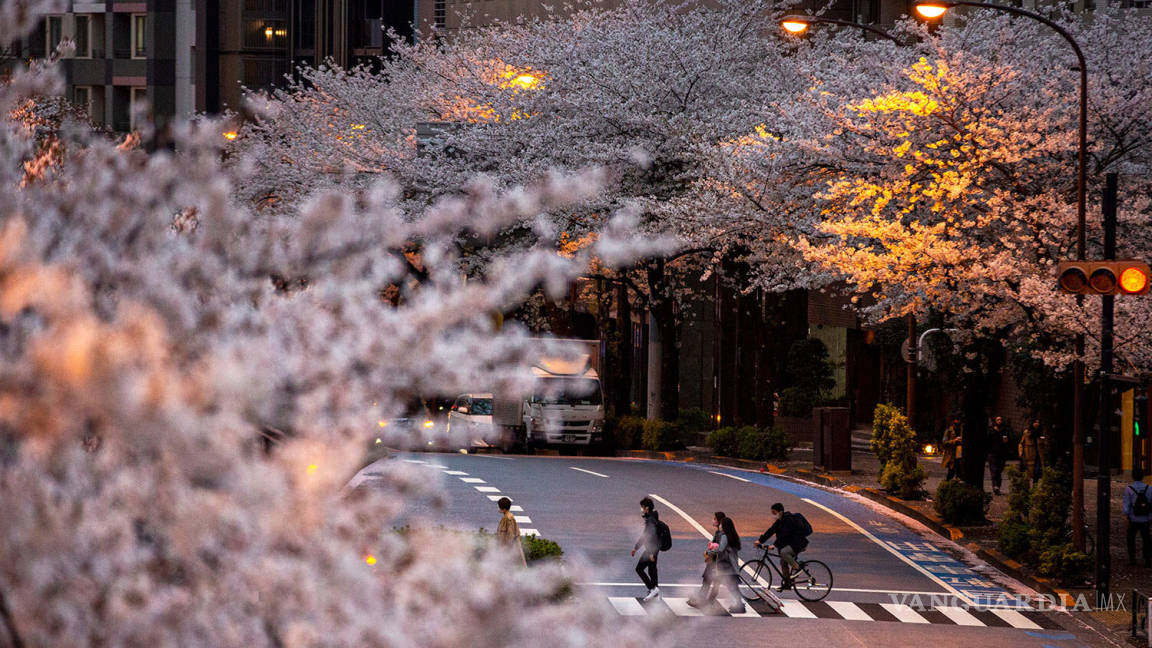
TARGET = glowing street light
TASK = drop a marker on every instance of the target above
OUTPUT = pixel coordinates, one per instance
(794, 26)
(798, 24)
(931, 10)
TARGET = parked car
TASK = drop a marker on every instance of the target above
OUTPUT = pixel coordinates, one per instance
(470, 421)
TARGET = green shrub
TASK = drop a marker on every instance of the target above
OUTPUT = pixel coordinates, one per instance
(1019, 493)
(536, 548)
(1014, 538)
(1064, 562)
(895, 445)
(694, 420)
(723, 441)
(796, 402)
(662, 435)
(627, 432)
(959, 502)
(763, 444)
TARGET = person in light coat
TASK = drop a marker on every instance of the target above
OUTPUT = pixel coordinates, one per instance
(727, 558)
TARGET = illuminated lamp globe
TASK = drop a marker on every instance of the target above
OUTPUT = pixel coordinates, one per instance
(1133, 280)
(931, 10)
(794, 26)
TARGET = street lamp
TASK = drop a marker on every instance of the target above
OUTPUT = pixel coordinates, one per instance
(798, 24)
(931, 9)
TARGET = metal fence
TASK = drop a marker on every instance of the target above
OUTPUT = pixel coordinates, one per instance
(1140, 617)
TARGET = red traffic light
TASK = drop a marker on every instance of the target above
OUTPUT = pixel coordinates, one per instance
(1126, 277)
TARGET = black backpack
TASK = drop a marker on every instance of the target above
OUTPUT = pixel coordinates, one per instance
(1141, 506)
(664, 535)
(802, 525)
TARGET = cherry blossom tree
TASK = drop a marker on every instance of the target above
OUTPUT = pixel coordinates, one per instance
(153, 323)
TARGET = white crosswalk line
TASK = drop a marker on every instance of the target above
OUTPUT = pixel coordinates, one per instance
(626, 605)
(959, 616)
(904, 613)
(516, 508)
(487, 489)
(472, 480)
(849, 611)
(522, 519)
(530, 532)
(796, 610)
(1016, 620)
(680, 607)
(748, 613)
(455, 472)
(497, 498)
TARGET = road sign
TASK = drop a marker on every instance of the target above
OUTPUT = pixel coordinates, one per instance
(908, 351)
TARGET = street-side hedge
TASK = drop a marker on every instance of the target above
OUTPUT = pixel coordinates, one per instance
(662, 435)
(536, 548)
(895, 445)
(751, 442)
(959, 502)
(624, 433)
(1035, 527)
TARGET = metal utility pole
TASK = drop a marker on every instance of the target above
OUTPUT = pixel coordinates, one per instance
(912, 365)
(1104, 440)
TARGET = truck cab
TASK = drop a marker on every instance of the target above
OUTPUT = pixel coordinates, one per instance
(564, 408)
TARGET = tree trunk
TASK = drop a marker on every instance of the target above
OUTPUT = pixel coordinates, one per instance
(663, 347)
(624, 350)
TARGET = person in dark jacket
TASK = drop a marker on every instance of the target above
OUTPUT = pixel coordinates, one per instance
(789, 540)
(999, 437)
(1138, 522)
(649, 547)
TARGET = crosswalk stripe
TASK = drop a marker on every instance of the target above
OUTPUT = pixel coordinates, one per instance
(497, 498)
(796, 610)
(904, 613)
(487, 489)
(849, 611)
(959, 615)
(534, 532)
(516, 509)
(748, 613)
(472, 480)
(1017, 620)
(626, 605)
(455, 472)
(522, 519)
(680, 607)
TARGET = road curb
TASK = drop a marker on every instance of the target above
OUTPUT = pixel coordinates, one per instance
(1001, 562)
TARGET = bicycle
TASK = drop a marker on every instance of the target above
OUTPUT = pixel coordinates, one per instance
(811, 582)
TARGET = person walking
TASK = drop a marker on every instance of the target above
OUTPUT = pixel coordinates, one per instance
(726, 555)
(649, 547)
(706, 593)
(790, 541)
(1033, 443)
(953, 448)
(1137, 507)
(507, 531)
(998, 443)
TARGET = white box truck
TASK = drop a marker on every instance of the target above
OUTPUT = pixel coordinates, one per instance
(566, 405)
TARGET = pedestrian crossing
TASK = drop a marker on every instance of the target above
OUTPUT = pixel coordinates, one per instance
(845, 611)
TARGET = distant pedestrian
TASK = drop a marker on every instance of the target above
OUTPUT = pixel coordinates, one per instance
(790, 541)
(507, 531)
(952, 447)
(998, 443)
(649, 547)
(1033, 448)
(706, 592)
(1137, 507)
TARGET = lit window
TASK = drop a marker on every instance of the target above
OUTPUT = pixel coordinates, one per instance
(139, 35)
(137, 105)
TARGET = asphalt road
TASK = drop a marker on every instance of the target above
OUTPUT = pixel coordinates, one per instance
(591, 508)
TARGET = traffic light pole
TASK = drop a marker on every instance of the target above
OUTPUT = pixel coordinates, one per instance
(1104, 438)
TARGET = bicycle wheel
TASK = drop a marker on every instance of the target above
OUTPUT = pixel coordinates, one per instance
(756, 580)
(813, 581)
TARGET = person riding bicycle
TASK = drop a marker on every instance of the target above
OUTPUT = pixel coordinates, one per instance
(790, 541)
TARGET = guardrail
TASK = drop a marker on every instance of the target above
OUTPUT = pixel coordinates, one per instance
(1140, 611)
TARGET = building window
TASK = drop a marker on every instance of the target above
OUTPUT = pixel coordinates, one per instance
(139, 35)
(266, 34)
(439, 14)
(82, 98)
(83, 36)
(54, 33)
(137, 106)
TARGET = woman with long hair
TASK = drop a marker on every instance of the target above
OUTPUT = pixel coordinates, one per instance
(727, 557)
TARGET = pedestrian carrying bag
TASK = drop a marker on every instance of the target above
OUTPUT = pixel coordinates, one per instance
(664, 535)
(1141, 506)
(802, 525)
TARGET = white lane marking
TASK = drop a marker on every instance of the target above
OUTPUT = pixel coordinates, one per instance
(730, 476)
(587, 471)
(638, 584)
(626, 605)
(680, 607)
(702, 530)
(796, 610)
(748, 613)
(936, 579)
(1016, 620)
(530, 532)
(904, 613)
(487, 489)
(849, 611)
(487, 456)
(497, 498)
(415, 461)
(959, 616)
(837, 589)
(522, 519)
(455, 472)
(472, 480)
(516, 509)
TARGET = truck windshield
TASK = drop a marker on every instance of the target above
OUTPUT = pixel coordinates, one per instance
(567, 391)
(482, 406)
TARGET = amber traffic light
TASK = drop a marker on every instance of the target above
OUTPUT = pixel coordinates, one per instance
(1126, 277)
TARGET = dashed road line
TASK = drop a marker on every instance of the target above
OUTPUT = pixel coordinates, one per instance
(715, 472)
(472, 480)
(588, 471)
(487, 489)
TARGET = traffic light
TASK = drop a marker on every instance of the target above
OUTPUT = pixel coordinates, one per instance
(1126, 277)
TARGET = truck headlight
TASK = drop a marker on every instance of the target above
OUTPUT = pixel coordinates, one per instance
(598, 425)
